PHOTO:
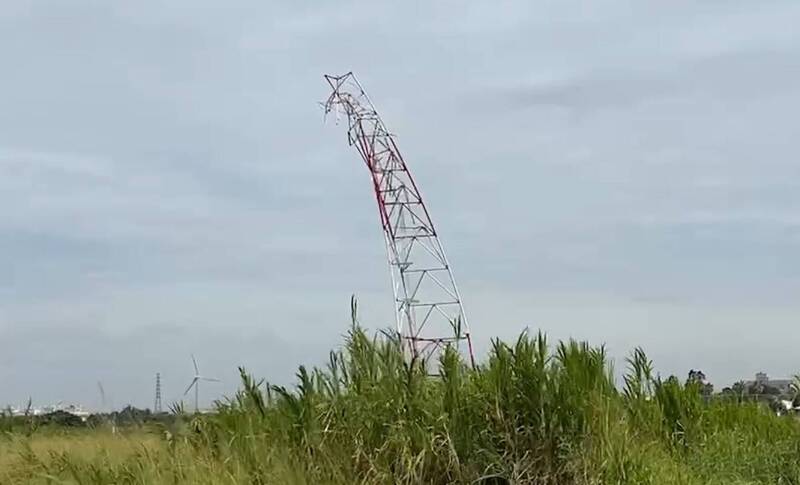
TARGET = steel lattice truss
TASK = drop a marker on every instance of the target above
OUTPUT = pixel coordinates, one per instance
(428, 306)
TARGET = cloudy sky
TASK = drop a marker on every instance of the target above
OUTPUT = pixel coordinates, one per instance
(623, 172)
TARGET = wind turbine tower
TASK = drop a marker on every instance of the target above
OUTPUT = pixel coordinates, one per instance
(428, 310)
(196, 384)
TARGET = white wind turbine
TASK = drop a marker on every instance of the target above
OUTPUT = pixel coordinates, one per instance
(196, 383)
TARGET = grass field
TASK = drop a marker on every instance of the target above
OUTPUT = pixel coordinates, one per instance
(30, 459)
(532, 413)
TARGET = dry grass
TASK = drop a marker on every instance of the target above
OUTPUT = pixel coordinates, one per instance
(22, 457)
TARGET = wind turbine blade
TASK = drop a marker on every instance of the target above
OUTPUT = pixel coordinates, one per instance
(102, 392)
(194, 381)
(212, 379)
(196, 372)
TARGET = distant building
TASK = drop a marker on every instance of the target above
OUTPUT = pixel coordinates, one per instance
(74, 409)
(762, 384)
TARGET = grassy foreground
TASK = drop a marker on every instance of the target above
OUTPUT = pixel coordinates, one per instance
(531, 414)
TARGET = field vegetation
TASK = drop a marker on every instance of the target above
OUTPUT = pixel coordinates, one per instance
(531, 413)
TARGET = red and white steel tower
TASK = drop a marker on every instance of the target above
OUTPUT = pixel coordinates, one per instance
(428, 305)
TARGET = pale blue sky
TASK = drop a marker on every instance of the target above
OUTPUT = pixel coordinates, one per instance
(619, 171)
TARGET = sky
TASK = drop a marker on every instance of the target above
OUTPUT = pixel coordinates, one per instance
(616, 171)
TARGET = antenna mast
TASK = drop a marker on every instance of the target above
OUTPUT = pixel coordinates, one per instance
(428, 310)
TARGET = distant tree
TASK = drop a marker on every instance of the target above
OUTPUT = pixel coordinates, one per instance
(62, 418)
(696, 376)
(698, 379)
(130, 415)
(739, 388)
(98, 419)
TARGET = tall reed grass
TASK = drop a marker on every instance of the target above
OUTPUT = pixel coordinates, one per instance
(531, 413)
